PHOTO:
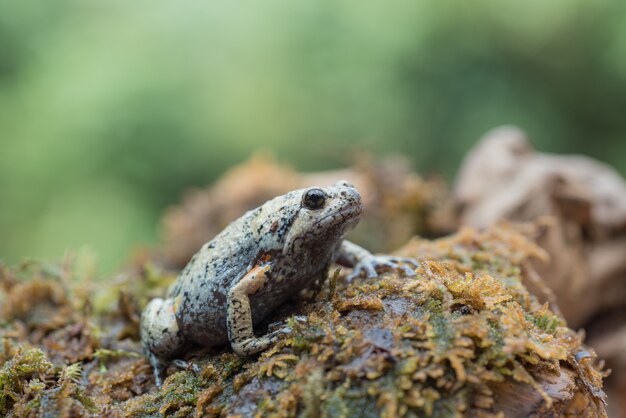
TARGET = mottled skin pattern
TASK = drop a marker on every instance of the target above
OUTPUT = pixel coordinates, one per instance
(253, 266)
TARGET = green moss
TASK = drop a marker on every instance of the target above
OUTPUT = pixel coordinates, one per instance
(24, 393)
(546, 322)
(20, 367)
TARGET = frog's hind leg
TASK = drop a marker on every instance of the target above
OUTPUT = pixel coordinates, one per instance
(160, 335)
(239, 314)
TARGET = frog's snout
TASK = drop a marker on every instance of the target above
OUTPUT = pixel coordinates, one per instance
(348, 192)
(350, 198)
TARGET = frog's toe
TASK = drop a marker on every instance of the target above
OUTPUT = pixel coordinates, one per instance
(252, 345)
(372, 265)
(186, 365)
(368, 268)
(398, 264)
(393, 265)
(280, 332)
(407, 270)
(406, 260)
(278, 326)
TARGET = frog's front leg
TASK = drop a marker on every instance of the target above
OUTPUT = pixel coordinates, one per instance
(239, 314)
(361, 260)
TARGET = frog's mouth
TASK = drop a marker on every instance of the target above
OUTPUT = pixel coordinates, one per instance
(348, 216)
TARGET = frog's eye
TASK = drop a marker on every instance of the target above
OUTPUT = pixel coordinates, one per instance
(314, 199)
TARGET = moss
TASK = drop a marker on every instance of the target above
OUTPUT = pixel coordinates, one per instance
(442, 343)
(28, 387)
(21, 373)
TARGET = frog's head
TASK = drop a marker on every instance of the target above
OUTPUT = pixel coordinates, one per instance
(324, 216)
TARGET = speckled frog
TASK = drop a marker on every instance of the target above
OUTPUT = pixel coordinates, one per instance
(253, 266)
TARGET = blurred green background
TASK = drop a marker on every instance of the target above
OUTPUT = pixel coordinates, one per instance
(108, 110)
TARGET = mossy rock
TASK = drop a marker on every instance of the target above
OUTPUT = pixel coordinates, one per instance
(462, 338)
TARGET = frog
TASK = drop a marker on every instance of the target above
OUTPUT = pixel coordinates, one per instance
(256, 264)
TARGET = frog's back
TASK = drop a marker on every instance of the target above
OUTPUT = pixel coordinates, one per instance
(201, 288)
(233, 251)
